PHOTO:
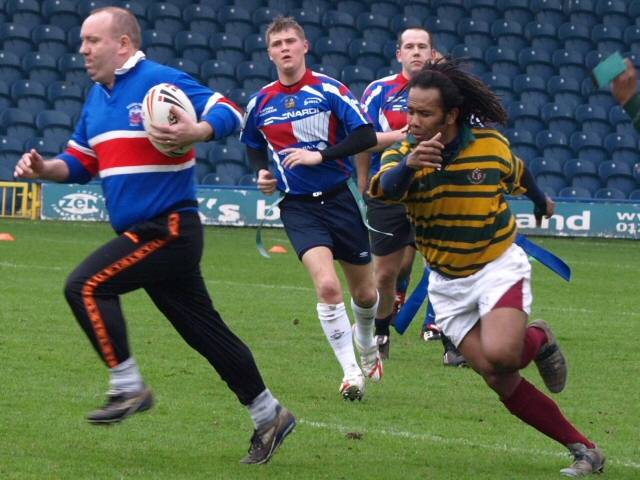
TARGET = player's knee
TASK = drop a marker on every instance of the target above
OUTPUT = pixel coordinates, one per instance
(502, 359)
(329, 292)
(386, 279)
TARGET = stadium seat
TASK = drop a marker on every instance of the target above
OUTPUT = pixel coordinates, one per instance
(600, 97)
(5, 96)
(18, 124)
(608, 39)
(613, 13)
(255, 46)
(239, 96)
(310, 21)
(46, 147)
(230, 171)
(225, 153)
(570, 64)
(503, 61)
(582, 173)
(636, 172)
(352, 7)
(515, 11)
(583, 12)
(531, 89)
(609, 194)
(186, 65)
(282, 5)
(618, 175)
(550, 166)
(261, 17)
(575, 193)
(356, 73)
(565, 91)
(10, 149)
(332, 53)
(200, 18)
(374, 27)
(575, 37)
(553, 145)
(472, 56)
(219, 75)
(443, 30)
(249, 70)
(501, 85)
(10, 67)
(228, 47)
(235, 20)
(54, 125)
(202, 171)
(522, 143)
(548, 11)
(635, 194)
(49, 39)
(192, 46)
(632, 38)
(551, 183)
(139, 9)
(593, 119)
(86, 7)
(250, 5)
(622, 148)
(40, 67)
(328, 70)
(340, 25)
(387, 9)
(29, 95)
(620, 120)
(452, 10)
(536, 62)
(588, 145)
(559, 118)
(416, 9)
(24, 12)
(542, 36)
(484, 10)
(158, 45)
(475, 32)
(61, 13)
(508, 34)
(367, 53)
(15, 38)
(525, 117)
(248, 180)
(165, 17)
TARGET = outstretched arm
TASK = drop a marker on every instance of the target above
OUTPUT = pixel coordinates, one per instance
(32, 166)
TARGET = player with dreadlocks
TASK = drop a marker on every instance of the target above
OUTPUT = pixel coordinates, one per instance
(453, 177)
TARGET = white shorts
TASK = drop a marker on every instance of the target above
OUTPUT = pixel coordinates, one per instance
(459, 303)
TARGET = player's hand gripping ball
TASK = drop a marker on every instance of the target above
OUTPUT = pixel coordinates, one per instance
(156, 108)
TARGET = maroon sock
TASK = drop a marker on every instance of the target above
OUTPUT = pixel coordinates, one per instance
(533, 407)
(534, 338)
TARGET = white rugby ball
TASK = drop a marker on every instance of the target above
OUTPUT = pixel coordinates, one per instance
(156, 108)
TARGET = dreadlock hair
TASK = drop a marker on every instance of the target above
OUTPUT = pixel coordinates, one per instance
(459, 88)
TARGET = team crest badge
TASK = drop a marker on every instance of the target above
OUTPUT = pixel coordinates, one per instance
(135, 114)
(477, 176)
(289, 103)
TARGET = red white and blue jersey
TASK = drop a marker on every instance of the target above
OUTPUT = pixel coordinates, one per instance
(315, 113)
(138, 181)
(385, 101)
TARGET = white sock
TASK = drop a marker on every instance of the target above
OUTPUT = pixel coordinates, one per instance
(365, 323)
(125, 377)
(263, 408)
(337, 328)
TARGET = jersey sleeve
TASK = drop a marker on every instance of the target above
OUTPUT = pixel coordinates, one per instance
(345, 106)
(370, 103)
(79, 156)
(250, 134)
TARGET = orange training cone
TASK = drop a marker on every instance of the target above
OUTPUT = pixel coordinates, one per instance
(277, 249)
(6, 237)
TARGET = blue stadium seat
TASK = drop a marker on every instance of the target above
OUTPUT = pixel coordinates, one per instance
(374, 27)
(328, 70)
(202, 151)
(219, 75)
(352, 7)
(635, 194)
(24, 12)
(356, 73)
(536, 62)
(522, 143)
(443, 30)
(282, 5)
(386, 72)
(387, 9)
(10, 149)
(202, 171)
(565, 91)
(613, 13)
(542, 36)
(339, 25)
(139, 9)
(515, 11)
(553, 145)
(593, 119)
(200, 18)
(310, 21)
(475, 32)
(531, 89)
(618, 175)
(318, 6)
(588, 145)
(551, 183)
(575, 37)
(583, 12)
(633, 9)
(165, 17)
(508, 34)
(17, 123)
(549, 11)
(485, 10)
(525, 117)
(622, 148)
(636, 172)
(597, 96)
(193, 46)
(54, 125)
(332, 53)
(228, 47)
(186, 65)
(86, 7)
(367, 53)
(255, 45)
(620, 120)
(66, 97)
(40, 67)
(417, 9)
(575, 192)
(49, 39)
(235, 20)
(230, 171)
(239, 96)
(29, 95)
(501, 85)
(450, 9)
(582, 173)
(472, 56)
(560, 118)
(62, 13)
(15, 38)
(10, 67)
(249, 5)
(221, 153)
(551, 166)
(632, 38)
(262, 17)
(46, 147)
(73, 39)
(248, 180)
(5, 97)
(253, 75)
(158, 45)
(570, 64)
(609, 194)
(608, 39)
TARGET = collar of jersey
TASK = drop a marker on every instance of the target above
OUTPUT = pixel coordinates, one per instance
(130, 63)
(308, 75)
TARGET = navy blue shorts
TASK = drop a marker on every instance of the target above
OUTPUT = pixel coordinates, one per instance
(331, 220)
(389, 218)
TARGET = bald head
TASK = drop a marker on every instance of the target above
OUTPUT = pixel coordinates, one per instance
(123, 23)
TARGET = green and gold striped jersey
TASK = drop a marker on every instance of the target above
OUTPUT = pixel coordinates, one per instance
(460, 214)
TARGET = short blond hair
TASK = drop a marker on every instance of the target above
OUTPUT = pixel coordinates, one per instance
(123, 23)
(282, 23)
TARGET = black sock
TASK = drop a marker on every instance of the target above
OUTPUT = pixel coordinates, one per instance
(382, 325)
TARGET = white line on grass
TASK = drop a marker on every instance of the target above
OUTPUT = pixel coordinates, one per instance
(30, 267)
(432, 438)
(583, 311)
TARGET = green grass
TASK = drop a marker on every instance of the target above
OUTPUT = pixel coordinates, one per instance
(422, 421)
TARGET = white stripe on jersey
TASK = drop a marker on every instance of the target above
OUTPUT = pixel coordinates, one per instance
(384, 123)
(352, 102)
(113, 134)
(80, 148)
(108, 172)
(213, 100)
(374, 93)
(313, 128)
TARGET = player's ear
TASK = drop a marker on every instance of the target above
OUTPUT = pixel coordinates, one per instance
(452, 116)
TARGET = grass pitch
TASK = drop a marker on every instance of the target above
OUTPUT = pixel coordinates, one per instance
(422, 421)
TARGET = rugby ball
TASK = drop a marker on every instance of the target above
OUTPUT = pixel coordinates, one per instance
(156, 108)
